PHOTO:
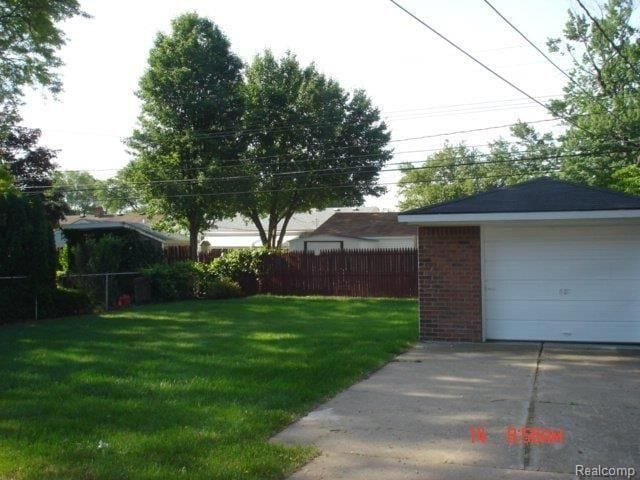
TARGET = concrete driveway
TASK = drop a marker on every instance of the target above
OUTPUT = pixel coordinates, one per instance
(414, 418)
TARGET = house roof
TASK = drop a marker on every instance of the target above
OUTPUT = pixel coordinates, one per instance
(101, 223)
(127, 217)
(364, 224)
(540, 195)
(300, 222)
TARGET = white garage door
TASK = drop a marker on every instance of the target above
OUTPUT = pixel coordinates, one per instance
(562, 283)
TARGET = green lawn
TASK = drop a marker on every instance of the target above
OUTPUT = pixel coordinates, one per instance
(188, 390)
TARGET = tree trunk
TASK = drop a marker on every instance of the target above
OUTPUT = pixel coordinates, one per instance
(283, 229)
(256, 221)
(194, 230)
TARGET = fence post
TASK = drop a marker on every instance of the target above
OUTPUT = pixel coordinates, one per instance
(106, 291)
(36, 308)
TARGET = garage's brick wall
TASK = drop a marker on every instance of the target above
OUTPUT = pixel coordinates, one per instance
(449, 283)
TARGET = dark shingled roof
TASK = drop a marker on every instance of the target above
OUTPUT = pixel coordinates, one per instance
(540, 195)
(361, 224)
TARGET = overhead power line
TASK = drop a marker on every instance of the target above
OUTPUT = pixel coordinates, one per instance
(571, 79)
(529, 41)
(486, 67)
(606, 36)
(232, 162)
(335, 171)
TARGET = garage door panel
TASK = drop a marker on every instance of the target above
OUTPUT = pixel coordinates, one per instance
(569, 311)
(562, 291)
(564, 331)
(561, 233)
(569, 268)
(579, 249)
(579, 283)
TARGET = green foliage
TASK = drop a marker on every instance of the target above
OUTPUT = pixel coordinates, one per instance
(64, 302)
(26, 249)
(190, 94)
(184, 280)
(459, 170)
(107, 253)
(604, 102)
(79, 189)
(236, 263)
(212, 288)
(117, 194)
(243, 266)
(627, 179)
(110, 252)
(601, 145)
(26, 241)
(29, 41)
(336, 131)
(6, 180)
(30, 165)
(174, 281)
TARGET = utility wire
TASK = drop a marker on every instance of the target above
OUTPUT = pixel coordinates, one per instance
(529, 41)
(338, 186)
(606, 36)
(340, 171)
(486, 67)
(571, 79)
(233, 162)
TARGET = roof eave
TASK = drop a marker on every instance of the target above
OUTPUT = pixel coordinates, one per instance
(474, 218)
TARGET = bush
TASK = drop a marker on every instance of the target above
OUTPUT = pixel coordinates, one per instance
(63, 302)
(184, 280)
(218, 288)
(60, 302)
(242, 266)
(174, 281)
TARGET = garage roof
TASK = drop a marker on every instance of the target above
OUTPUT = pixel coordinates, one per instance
(364, 224)
(540, 195)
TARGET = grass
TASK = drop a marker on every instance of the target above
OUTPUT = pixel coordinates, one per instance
(183, 390)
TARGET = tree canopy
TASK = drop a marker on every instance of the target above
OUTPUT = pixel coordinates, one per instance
(31, 167)
(191, 100)
(310, 144)
(30, 38)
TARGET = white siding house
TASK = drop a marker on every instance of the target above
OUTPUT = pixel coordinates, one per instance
(358, 230)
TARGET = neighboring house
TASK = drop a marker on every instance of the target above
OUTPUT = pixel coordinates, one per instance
(242, 233)
(544, 260)
(358, 230)
(102, 223)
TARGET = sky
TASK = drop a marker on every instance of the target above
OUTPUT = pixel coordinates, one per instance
(422, 85)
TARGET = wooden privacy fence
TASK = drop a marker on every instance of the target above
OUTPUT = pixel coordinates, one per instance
(182, 253)
(352, 273)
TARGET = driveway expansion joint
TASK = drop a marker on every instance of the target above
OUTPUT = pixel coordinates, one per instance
(526, 453)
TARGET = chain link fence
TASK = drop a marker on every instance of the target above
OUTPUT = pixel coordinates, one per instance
(108, 289)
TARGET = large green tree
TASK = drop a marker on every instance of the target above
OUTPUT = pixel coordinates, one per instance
(31, 167)
(311, 144)
(183, 147)
(79, 189)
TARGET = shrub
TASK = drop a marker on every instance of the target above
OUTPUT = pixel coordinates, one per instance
(184, 280)
(63, 302)
(242, 266)
(218, 288)
(60, 302)
(172, 281)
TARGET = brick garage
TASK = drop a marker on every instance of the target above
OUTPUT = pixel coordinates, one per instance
(449, 283)
(544, 260)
